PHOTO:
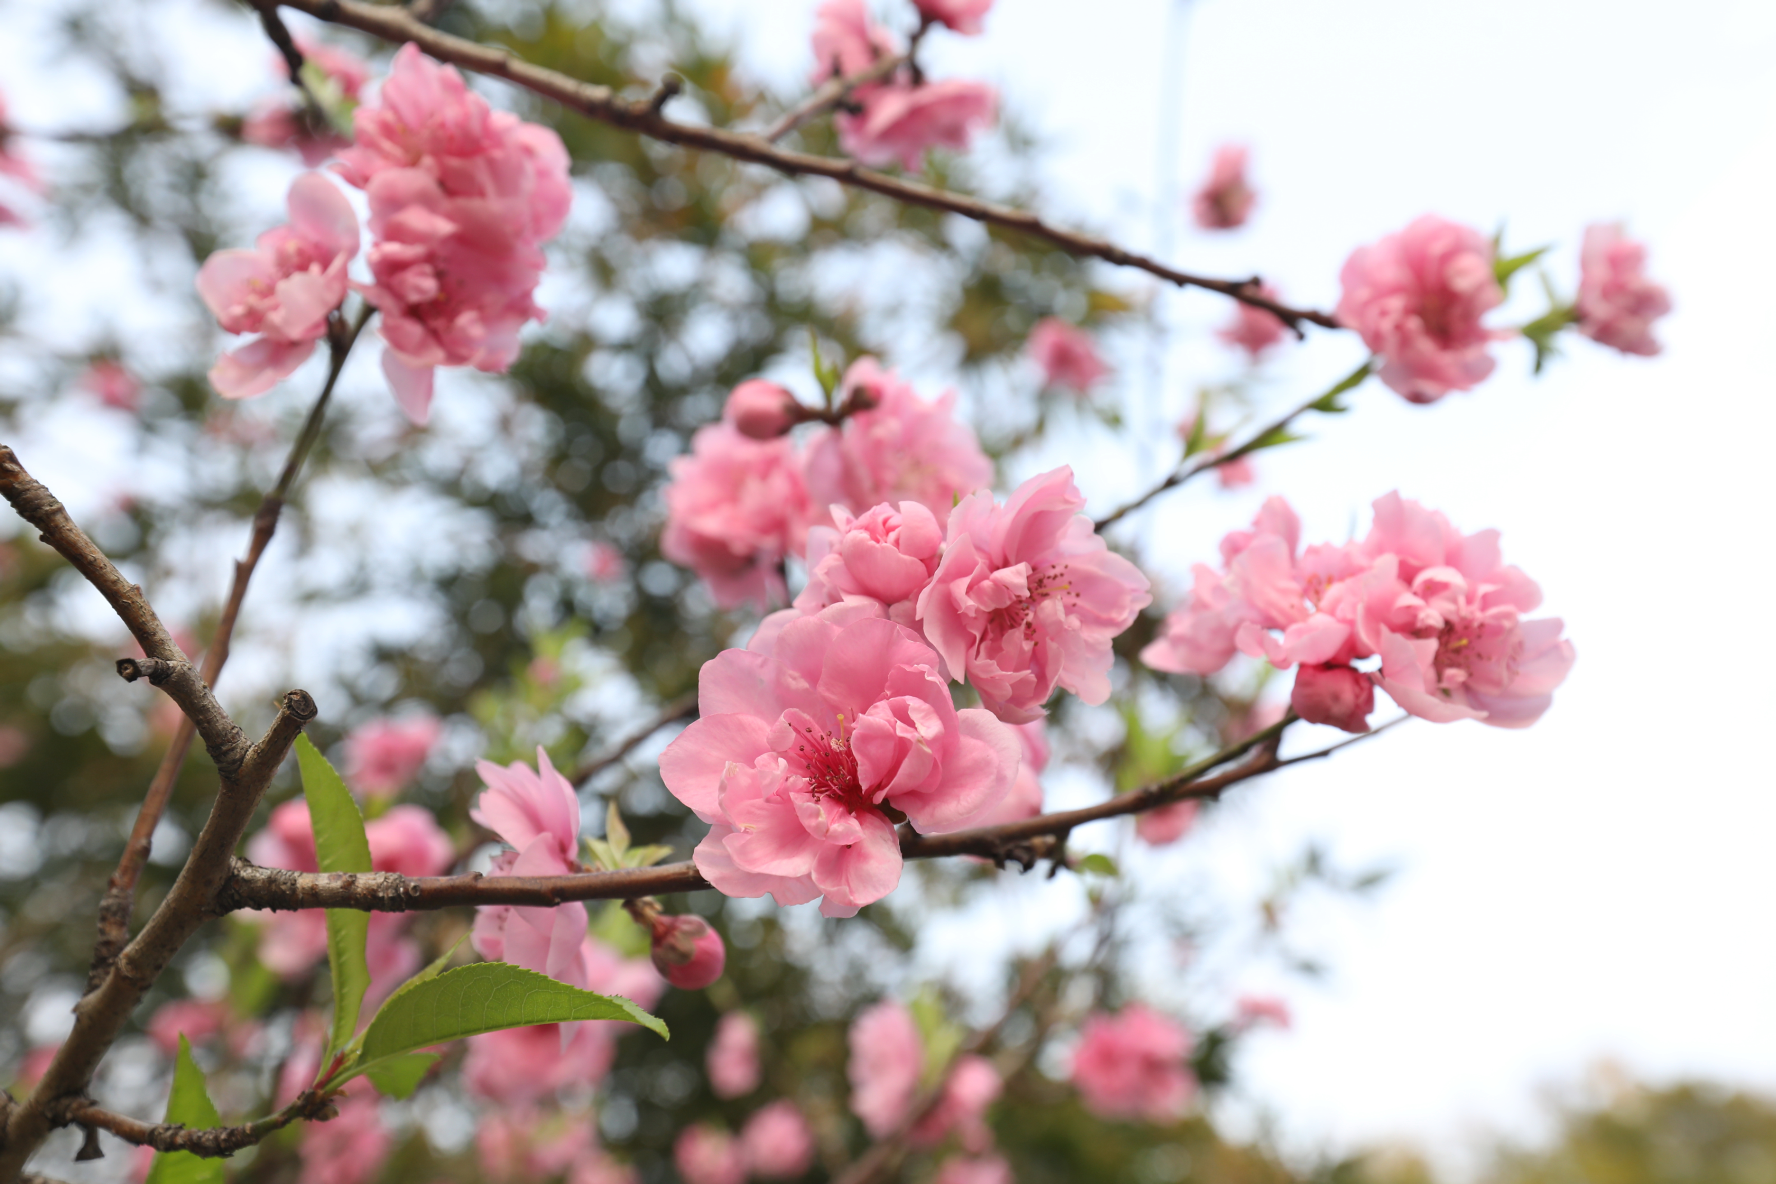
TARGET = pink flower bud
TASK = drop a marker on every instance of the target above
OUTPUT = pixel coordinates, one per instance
(1336, 695)
(688, 952)
(759, 409)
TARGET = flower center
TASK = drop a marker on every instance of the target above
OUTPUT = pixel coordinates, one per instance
(1020, 614)
(829, 766)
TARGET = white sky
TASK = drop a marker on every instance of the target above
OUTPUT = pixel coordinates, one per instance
(1600, 885)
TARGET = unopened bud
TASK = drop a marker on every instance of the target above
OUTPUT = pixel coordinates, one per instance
(688, 952)
(762, 410)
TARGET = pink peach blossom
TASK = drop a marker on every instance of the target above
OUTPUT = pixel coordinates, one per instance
(760, 410)
(1333, 694)
(283, 289)
(706, 1155)
(846, 40)
(735, 508)
(1226, 199)
(986, 1169)
(1167, 824)
(1416, 298)
(1027, 597)
(1254, 329)
(1134, 1065)
(383, 755)
(886, 556)
(796, 750)
(961, 16)
(733, 1057)
(196, 1019)
(1024, 798)
(1617, 303)
(688, 951)
(776, 1142)
(972, 1085)
(461, 197)
(113, 384)
(1067, 355)
(349, 1149)
(887, 1058)
(901, 449)
(408, 840)
(901, 121)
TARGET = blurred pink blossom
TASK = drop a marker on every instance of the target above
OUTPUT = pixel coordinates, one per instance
(962, 16)
(283, 289)
(973, 1084)
(349, 1149)
(383, 755)
(901, 121)
(988, 1169)
(112, 382)
(1028, 598)
(1254, 329)
(1067, 355)
(887, 1058)
(847, 40)
(760, 410)
(705, 1155)
(1252, 1010)
(1226, 198)
(733, 1057)
(1134, 1064)
(1416, 298)
(1617, 303)
(1167, 824)
(604, 563)
(776, 1142)
(196, 1019)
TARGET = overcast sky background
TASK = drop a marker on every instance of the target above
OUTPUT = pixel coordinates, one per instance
(1600, 885)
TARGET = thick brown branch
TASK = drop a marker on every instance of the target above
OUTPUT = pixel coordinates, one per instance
(218, 1142)
(603, 104)
(101, 1013)
(228, 746)
(120, 893)
(1025, 842)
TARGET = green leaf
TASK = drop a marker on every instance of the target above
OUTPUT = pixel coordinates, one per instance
(335, 104)
(190, 1106)
(1504, 269)
(1199, 433)
(1542, 331)
(1329, 403)
(1099, 864)
(1274, 438)
(484, 997)
(399, 1076)
(340, 846)
(646, 856)
(615, 833)
(827, 373)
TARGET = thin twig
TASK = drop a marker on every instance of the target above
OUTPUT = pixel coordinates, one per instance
(601, 103)
(120, 893)
(1259, 439)
(217, 1142)
(680, 708)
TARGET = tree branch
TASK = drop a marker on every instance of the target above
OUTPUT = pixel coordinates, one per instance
(218, 1142)
(680, 708)
(120, 892)
(603, 104)
(1025, 842)
(101, 1013)
(836, 90)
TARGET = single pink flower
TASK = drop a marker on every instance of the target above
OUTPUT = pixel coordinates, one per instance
(962, 16)
(1416, 298)
(537, 812)
(1226, 199)
(1027, 597)
(733, 1057)
(760, 410)
(1134, 1065)
(776, 1142)
(1254, 329)
(461, 198)
(796, 751)
(887, 1058)
(283, 289)
(973, 1084)
(706, 1155)
(986, 1169)
(196, 1019)
(113, 384)
(886, 556)
(735, 508)
(408, 840)
(846, 40)
(688, 951)
(1617, 303)
(901, 121)
(349, 1149)
(1167, 824)
(1252, 1010)
(901, 449)
(384, 755)
(1067, 355)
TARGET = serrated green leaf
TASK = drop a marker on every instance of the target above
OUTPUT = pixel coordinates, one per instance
(398, 1077)
(615, 833)
(340, 846)
(189, 1105)
(1504, 269)
(1328, 402)
(484, 997)
(1099, 864)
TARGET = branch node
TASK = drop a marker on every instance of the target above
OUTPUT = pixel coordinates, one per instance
(670, 86)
